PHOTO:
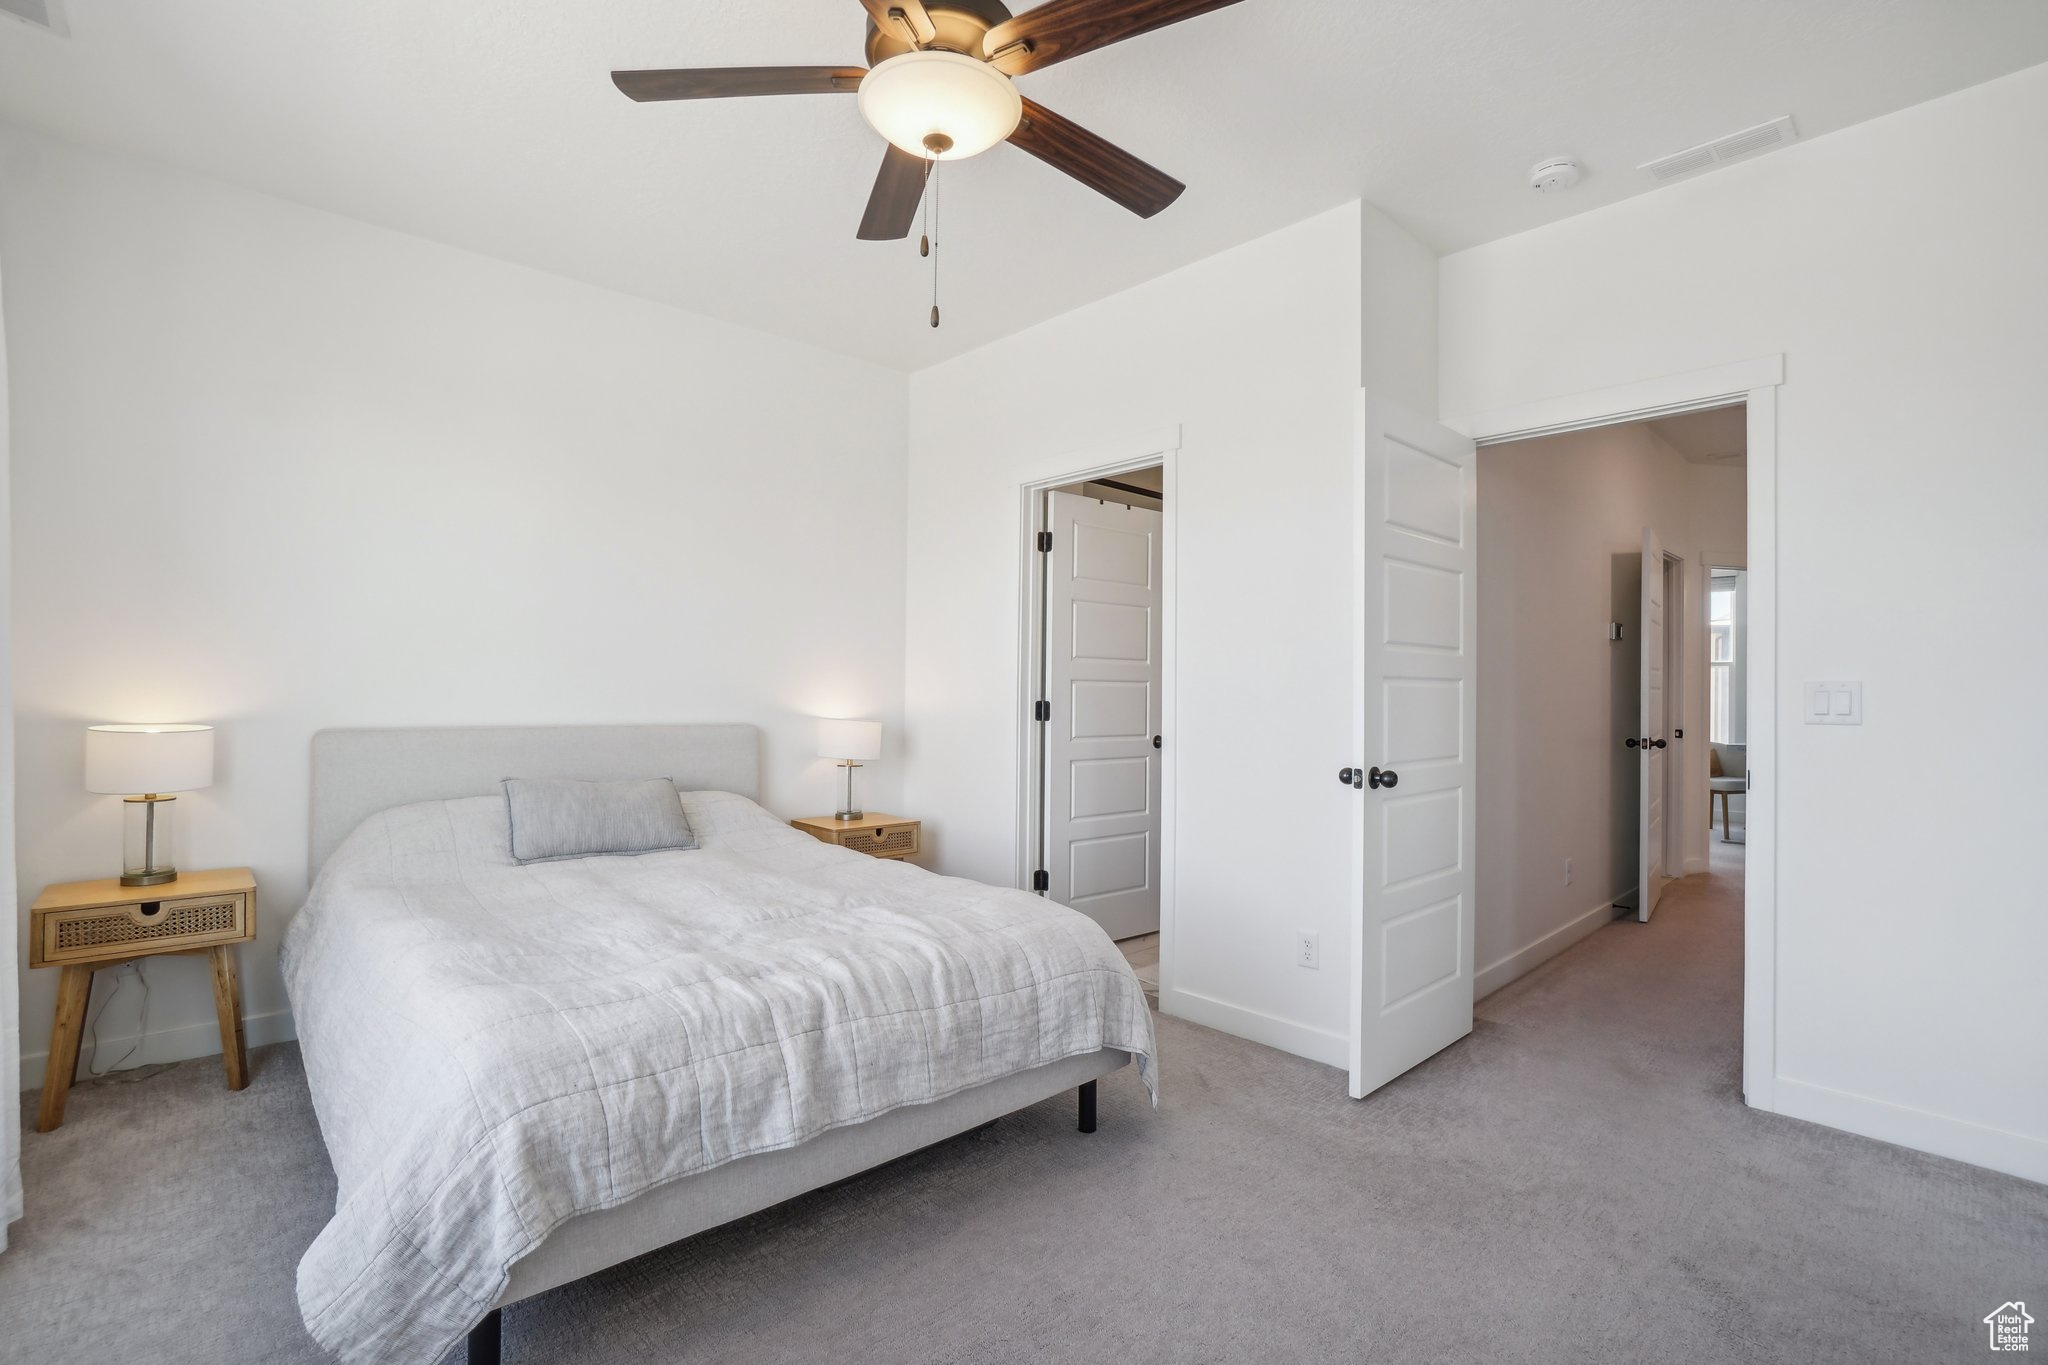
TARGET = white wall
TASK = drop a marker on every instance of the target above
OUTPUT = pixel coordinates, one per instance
(1556, 697)
(1914, 322)
(1398, 313)
(10, 1011)
(1717, 506)
(279, 470)
(1254, 356)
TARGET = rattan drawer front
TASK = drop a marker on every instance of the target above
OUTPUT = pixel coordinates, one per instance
(112, 931)
(882, 841)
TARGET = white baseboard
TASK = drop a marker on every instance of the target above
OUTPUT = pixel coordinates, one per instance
(1522, 961)
(1694, 866)
(167, 1045)
(1318, 1045)
(1994, 1148)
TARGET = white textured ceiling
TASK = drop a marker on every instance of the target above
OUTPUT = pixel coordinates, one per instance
(491, 124)
(1710, 436)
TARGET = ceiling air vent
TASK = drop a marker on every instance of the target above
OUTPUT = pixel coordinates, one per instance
(1748, 142)
(47, 14)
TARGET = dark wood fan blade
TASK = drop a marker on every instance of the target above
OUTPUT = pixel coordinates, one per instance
(1066, 28)
(1102, 166)
(892, 208)
(723, 82)
(904, 20)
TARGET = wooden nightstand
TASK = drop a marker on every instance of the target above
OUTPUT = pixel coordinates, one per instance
(878, 836)
(83, 926)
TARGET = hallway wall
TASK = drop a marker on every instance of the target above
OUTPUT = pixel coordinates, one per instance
(1560, 539)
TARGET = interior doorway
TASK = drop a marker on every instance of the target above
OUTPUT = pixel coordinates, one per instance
(1096, 665)
(1416, 938)
(1594, 759)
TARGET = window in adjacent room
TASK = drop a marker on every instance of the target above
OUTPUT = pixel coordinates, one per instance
(1721, 660)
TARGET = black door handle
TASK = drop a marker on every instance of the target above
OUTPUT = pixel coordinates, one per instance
(1155, 741)
(1351, 777)
(1379, 778)
(1631, 741)
(1656, 743)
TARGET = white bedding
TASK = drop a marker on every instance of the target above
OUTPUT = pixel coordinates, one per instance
(493, 1049)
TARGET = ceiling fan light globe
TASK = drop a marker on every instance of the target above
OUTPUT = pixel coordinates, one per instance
(910, 98)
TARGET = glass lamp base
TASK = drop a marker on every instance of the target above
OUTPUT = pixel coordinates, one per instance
(851, 811)
(146, 841)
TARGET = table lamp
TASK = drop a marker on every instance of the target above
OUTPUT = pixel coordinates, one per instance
(851, 742)
(142, 763)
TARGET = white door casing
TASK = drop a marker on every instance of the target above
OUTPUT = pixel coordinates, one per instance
(1416, 632)
(1753, 382)
(1651, 733)
(1103, 615)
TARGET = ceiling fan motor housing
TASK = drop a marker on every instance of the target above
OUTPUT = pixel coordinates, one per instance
(961, 25)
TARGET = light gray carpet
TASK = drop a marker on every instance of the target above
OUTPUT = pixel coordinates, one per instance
(1577, 1181)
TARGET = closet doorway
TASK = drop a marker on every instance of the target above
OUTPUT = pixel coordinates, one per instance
(1095, 669)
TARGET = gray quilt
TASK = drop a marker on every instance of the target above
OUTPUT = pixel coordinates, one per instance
(494, 1049)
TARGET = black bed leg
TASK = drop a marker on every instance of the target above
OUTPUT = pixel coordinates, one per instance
(486, 1337)
(1088, 1107)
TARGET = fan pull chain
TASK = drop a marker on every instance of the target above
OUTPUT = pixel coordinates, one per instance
(931, 237)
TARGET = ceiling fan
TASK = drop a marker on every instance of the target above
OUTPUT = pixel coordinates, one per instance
(938, 87)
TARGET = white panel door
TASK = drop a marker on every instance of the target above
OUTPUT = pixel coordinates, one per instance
(1416, 631)
(1651, 736)
(1102, 638)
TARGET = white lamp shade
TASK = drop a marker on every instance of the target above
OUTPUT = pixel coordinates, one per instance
(143, 760)
(850, 741)
(914, 95)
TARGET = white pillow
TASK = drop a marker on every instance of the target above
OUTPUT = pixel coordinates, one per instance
(551, 818)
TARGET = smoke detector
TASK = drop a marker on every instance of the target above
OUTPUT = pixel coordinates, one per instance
(1555, 174)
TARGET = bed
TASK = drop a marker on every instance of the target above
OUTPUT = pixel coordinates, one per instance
(527, 1073)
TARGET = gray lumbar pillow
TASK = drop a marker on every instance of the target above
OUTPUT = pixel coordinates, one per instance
(559, 818)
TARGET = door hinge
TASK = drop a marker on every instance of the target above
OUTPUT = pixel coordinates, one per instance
(1045, 542)
(1041, 880)
(1041, 710)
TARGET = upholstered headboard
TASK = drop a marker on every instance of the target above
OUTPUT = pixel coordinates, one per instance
(357, 773)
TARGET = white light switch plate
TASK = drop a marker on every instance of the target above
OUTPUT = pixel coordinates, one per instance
(1834, 703)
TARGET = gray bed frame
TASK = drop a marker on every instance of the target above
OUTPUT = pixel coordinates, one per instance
(357, 773)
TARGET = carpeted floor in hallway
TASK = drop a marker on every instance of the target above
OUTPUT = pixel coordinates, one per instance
(1577, 1181)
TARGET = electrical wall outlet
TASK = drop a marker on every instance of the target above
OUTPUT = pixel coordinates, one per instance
(1567, 871)
(1308, 950)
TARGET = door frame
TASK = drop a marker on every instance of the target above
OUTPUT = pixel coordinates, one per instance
(1161, 448)
(1754, 382)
